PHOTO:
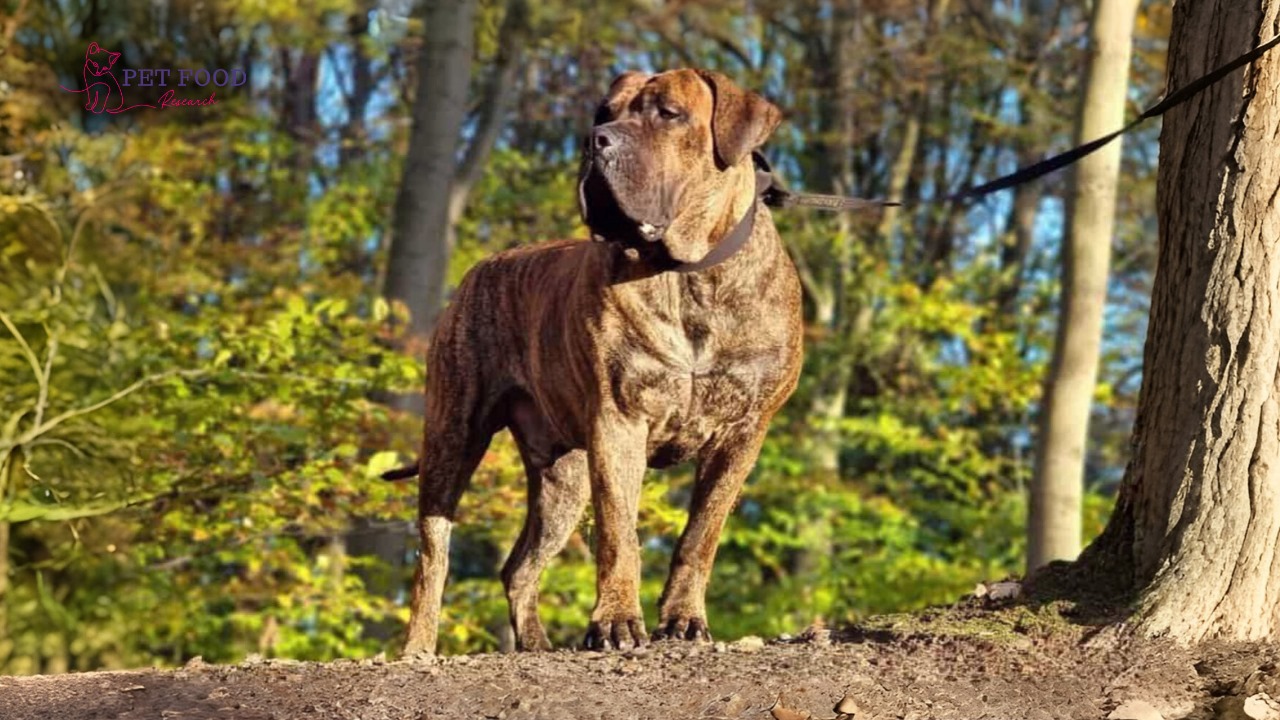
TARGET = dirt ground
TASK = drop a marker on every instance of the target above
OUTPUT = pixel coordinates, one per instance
(923, 666)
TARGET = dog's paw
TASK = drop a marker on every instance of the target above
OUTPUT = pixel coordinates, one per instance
(683, 628)
(616, 634)
(534, 642)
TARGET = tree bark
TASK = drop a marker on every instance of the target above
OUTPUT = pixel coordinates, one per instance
(299, 116)
(363, 83)
(10, 466)
(436, 185)
(433, 195)
(1015, 247)
(1054, 524)
(421, 242)
(1197, 524)
(494, 103)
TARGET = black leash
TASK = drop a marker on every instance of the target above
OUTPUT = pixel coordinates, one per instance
(771, 193)
(776, 196)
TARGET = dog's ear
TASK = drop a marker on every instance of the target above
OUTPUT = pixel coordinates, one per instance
(741, 120)
(112, 57)
(92, 49)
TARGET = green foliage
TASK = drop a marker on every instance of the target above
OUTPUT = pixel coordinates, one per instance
(190, 419)
(194, 347)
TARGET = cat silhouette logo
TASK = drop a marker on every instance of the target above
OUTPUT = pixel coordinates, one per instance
(102, 90)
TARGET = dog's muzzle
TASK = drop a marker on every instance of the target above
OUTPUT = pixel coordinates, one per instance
(598, 202)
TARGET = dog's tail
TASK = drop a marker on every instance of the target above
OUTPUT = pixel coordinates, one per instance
(402, 473)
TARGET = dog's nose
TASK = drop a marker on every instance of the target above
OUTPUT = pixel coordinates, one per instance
(600, 138)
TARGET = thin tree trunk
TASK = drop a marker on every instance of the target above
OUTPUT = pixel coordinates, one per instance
(4, 584)
(494, 102)
(433, 195)
(421, 241)
(9, 470)
(1023, 215)
(1057, 488)
(354, 132)
(299, 116)
(436, 187)
(1016, 247)
(847, 309)
(839, 124)
(1197, 525)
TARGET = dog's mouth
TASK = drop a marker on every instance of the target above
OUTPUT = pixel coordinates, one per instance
(605, 216)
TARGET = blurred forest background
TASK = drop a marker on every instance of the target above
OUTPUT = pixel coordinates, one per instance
(199, 372)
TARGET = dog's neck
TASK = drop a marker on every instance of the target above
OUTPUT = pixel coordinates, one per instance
(699, 229)
(707, 220)
(705, 223)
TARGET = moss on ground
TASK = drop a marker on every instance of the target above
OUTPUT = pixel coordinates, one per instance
(1058, 602)
(971, 619)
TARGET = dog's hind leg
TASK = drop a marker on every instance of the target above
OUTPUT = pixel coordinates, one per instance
(557, 496)
(453, 443)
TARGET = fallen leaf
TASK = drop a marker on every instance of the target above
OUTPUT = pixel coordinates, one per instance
(1004, 590)
(782, 713)
(847, 706)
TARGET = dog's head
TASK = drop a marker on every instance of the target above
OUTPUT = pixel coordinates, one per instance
(668, 158)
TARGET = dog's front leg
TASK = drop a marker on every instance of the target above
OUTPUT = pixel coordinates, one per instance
(682, 613)
(617, 461)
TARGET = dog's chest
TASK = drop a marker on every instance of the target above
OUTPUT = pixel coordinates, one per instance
(696, 380)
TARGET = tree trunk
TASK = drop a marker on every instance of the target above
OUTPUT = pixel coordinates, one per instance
(1197, 524)
(1015, 247)
(422, 239)
(10, 466)
(494, 102)
(436, 187)
(4, 585)
(433, 195)
(1057, 488)
(363, 83)
(421, 243)
(299, 115)
(838, 127)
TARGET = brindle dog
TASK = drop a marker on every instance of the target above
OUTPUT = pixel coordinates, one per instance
(603, 360)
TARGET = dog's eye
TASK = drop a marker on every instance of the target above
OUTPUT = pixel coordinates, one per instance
(603, 115)
(667, 113)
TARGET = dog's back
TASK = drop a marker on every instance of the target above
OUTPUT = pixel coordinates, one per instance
(504, 306)
(502, 297)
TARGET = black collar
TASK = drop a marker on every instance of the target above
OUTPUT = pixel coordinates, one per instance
(737, 238)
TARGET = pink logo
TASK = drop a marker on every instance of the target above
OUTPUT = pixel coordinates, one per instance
(104, 93)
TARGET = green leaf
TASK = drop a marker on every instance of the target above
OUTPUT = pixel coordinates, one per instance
(382, 462)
